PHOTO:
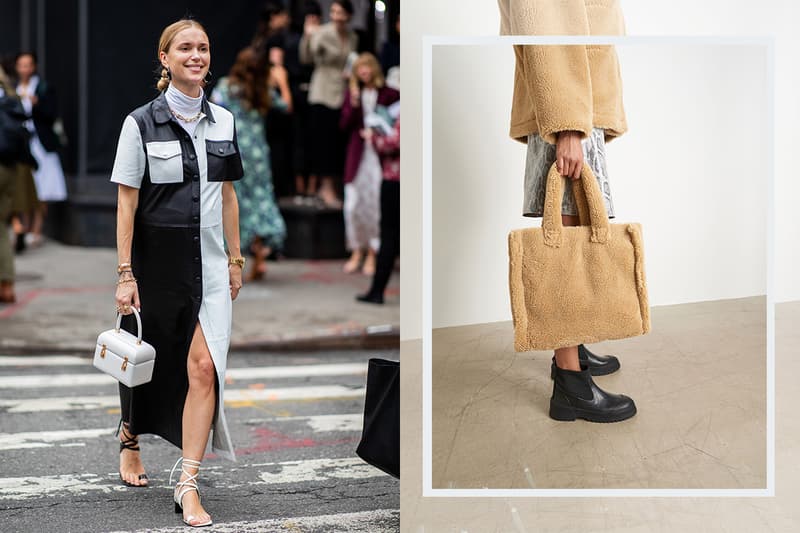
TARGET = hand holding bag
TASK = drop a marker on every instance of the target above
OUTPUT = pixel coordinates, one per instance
(124, 356)
(576, 284)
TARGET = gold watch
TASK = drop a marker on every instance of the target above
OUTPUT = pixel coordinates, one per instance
(236, 261)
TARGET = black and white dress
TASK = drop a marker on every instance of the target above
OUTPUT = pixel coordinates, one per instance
(178, 252)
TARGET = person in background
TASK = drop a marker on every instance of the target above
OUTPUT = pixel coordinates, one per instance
(388, 147)
(390, 53)
(39, 100)
(245, 93)
(328, 47)
(273, 24)
(279, 121)
(367, 98)
(14, 153)
(305, 184)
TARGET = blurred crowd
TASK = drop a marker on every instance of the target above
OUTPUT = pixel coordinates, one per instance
(30, 168)
(317, 122)
(332, 133)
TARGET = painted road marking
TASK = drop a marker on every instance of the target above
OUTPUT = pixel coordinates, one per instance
(46, 360)
(282, 473)
(315, 470)
(233, 396)
(262, 372)
(48, 439)
(320, 423)
(378, 521)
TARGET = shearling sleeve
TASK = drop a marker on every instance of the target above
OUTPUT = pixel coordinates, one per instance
(556, 79)
(553, 88)
(558, 83)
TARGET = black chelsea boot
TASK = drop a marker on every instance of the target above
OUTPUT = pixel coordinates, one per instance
(599, 365)
(576, 395)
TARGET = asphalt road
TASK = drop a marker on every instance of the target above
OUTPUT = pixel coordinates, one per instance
(295, 420)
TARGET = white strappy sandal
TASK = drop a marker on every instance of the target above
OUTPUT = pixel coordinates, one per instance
(182, 487)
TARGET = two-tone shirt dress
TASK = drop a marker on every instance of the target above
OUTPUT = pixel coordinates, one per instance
(178, 256)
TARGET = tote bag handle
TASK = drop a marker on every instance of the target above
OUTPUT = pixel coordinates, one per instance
(587, 197)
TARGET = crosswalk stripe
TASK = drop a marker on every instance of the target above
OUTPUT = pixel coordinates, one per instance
(48, 439)
(44, 360)
(320, 423)
(233, 397)
(262, 372)
(276, 473)
(316, 470)
(359, 522)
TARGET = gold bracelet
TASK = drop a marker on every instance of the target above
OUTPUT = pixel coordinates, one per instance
(238, 261)
(120, 282)
(123, 267)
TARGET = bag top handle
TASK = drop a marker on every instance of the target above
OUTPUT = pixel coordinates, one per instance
(587, 197)
(138, 324)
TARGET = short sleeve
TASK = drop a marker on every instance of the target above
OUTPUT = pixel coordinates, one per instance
(130, 161)
(235, 169)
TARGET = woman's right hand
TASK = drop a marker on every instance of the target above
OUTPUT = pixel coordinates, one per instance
(127, 295)
(569, 154)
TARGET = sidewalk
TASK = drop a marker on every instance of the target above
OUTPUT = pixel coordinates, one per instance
(65, 298)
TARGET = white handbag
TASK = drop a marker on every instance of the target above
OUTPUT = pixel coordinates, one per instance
(124, 356)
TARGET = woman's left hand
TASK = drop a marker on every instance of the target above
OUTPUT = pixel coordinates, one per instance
(235, 274)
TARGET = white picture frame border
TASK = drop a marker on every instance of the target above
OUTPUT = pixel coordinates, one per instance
(428, 45)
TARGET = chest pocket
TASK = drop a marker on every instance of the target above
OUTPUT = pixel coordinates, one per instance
(165, 161)
(224, 162)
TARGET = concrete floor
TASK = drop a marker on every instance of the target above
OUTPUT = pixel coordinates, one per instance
(698, 379)
(778, 514)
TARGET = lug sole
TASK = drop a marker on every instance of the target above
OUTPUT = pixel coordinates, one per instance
(567, 413)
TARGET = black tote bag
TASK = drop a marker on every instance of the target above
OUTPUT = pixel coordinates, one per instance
(380, 438)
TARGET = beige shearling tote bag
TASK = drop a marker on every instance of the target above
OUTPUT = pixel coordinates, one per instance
(576, 284)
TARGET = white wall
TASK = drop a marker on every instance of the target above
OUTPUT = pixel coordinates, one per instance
(679, 17)
(687, 170)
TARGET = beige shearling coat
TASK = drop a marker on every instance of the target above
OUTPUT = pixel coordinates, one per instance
(564, 87)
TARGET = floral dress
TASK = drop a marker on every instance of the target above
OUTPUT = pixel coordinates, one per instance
(258, 211)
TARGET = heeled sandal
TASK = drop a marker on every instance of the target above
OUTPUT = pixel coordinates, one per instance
(183, 487)
(130, 442)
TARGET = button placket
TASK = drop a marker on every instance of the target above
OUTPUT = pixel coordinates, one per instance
(197, 267)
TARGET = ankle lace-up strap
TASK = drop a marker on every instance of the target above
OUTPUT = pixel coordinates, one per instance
(129, 441)
(190, 483)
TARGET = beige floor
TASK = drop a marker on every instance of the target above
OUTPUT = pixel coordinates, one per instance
(779, 514)
(698, 379)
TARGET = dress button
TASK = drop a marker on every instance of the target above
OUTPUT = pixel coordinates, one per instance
(195, 198)
(196, 259)
(196, 177)
(196, 238)
(197, 278)
(191, 156)
(221, 151)
(196, 219)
